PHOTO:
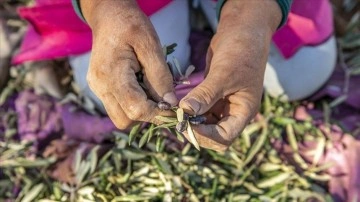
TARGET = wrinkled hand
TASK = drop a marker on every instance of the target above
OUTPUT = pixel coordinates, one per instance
(124, 43)
(230, 94)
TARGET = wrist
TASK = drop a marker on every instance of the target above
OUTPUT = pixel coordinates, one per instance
(255, 14)
(99, 12)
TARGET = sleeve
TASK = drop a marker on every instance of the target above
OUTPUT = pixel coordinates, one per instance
(76, 6)
(285, 6)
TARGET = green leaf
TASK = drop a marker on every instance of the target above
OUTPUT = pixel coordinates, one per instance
(241, 197)
(355, 71)
(303, 195)
(105, 157)
(166, 119)
(322, 167)
(133, 155)
(319, 151)
(260, 141)
(134, 132)
(77, 161)
(168, 125)
(283, 121)
(248, 131)
(189, 70)
(338, 101)
(83, 170)
(159, 142)
(21, 162)
(151, 129)
(293, 143)
(93, 158)
(33, 193)
(178, 67)
(163, 165)
(170, 48)
(268, 167)
(252, 188)
(274, 180)
(186, 149)
(321, 178)
(350, 41)
(192, 136)
(180, 137)
(180, 114)
(267, 104)
(131, 198)
(144, 138)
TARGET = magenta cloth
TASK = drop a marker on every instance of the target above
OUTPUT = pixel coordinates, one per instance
(56, 31)
(309, 23)
(195, 79)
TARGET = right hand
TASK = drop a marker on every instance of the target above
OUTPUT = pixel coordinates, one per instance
(124, 43)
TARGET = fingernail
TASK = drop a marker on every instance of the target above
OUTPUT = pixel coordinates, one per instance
(170, 98)
(193, 105)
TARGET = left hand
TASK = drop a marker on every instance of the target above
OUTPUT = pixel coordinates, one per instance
(231, 93)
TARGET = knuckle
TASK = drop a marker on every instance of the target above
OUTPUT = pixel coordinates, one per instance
(221, 148)
(121, 122)
(122, 125)
(228, 140)
(205, 94)
(135, 113)
(252, 107)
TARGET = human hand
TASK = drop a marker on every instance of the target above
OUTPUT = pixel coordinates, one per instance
(230, 94)
(124, 43)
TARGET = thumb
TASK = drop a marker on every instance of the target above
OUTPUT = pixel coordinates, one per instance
(199, 100)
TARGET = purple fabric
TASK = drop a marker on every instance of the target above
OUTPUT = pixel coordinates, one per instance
(334, 88)
(199, 41)
(343, 153)
(195, 79)
(38, 118)
(41, 119)
(82, 126)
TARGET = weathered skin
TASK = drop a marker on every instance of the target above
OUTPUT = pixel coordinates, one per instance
(125, 42)
(230, 94)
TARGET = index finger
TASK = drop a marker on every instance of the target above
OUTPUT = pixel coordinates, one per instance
(133, 100)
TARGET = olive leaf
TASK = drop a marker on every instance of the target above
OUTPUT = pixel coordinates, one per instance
(273, 180)
(166, 119)
(180, 114)
(189, 71)
(134, 132)
(192, 136)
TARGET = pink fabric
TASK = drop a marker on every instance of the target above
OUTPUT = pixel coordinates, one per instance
(309, 23)
(55, 31)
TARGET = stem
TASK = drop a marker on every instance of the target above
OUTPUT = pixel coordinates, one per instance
(345, 68)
